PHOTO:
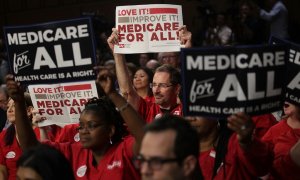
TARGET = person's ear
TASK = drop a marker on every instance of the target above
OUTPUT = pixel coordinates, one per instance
(178, 88)
(189, 165)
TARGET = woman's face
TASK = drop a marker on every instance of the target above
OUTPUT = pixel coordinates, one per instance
(94, 133)
(140, 79)
(11, 111)
(25, 173)
(203, 125)
(288, 108)
(291, 110)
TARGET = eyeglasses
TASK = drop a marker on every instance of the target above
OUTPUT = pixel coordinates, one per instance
(155, 163)
(88, 126)
(160, 85)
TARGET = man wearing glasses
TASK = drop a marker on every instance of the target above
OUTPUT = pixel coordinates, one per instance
(169, 150)
(165, 86)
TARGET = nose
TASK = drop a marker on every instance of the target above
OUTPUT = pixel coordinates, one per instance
(84, 130)
(137, 78)
(9, 109)
(145, 170)
(155, 90)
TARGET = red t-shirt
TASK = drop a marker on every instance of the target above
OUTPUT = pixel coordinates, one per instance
(240, 164)
(282, 138)
(149, 111)
(9, 155)
(68, 133)
(115, 164)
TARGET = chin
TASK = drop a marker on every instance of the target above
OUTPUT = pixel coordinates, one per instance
(85, 145)
(159, 102)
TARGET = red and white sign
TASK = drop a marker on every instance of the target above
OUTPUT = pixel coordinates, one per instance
(61, 104)
(148, 28)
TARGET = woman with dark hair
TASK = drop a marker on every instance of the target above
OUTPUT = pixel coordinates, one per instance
(103, 151)
(229, 149)
(43, 163)
(10, 150)
(141, 82)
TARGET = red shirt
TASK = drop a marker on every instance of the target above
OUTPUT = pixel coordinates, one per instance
(53, 132)
(150, 99)
(263, 124)
(240, 164)
(150, 111)
(282, 138)
(68, 133)
(9, 155)
(115, 164)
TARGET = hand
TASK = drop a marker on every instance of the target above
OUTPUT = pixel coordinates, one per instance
(113, 39)
(185, 36)
(14, 89)
(36, 117)
(243, 125)
(106, 80)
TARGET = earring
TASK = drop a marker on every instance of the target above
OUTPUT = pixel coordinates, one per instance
(218, 125)
(110, 141)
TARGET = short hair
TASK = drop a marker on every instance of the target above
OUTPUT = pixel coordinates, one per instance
(186, 141)
(47, 161)
(174, 73)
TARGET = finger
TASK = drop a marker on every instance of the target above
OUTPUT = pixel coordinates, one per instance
(235, 120)
(182, 28)
(115, 31)
(232, 127)
(9, 77)
(235, 124)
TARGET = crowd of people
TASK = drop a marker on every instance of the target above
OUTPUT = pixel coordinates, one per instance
(135, 129)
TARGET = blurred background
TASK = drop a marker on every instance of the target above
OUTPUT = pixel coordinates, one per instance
(196, 13)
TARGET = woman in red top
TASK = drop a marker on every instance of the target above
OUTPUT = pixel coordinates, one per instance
(229, 150)
(284, 140)
(10, 150)
(103, 151)
(141, 82)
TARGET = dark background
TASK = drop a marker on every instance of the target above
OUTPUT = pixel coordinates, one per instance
(19, 12)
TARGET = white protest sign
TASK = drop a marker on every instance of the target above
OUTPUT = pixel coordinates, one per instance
(62, 103)
(148, 28)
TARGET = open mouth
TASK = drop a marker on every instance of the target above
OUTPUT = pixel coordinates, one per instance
(286, 105)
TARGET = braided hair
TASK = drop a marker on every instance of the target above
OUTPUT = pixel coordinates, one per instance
(104, 108)
(222, 147)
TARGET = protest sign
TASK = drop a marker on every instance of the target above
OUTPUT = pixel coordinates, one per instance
(61, 51)
(222, 81)
(61, 104)
(148, 28)
(292, 91)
